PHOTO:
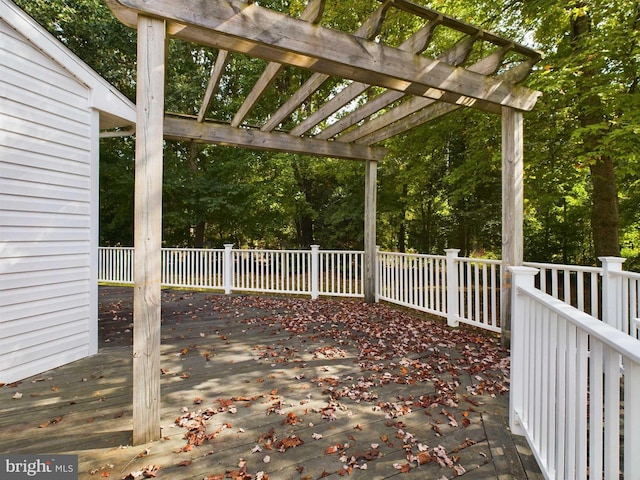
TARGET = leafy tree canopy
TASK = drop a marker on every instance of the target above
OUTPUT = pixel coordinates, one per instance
(440, 185)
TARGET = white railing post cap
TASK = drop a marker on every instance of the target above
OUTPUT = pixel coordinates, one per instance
(522, 277)
(520, 270)
(612, 263)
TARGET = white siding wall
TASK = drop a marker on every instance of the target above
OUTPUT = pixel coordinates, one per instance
(48, 157)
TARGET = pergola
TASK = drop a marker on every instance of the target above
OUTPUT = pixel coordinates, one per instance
(404, 88)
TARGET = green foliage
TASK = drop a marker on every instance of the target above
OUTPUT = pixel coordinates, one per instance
(89, 29)
(116, 191)
(439, 187)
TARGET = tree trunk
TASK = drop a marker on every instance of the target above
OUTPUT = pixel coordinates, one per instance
(604, 209)
(402, 228)
(198, 235)
(604, 197)
(199, 229)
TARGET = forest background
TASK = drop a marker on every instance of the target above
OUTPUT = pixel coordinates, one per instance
(440, 186)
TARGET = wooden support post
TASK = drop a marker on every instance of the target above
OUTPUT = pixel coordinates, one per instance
(512, 210)
(370, 251)
(148, 229)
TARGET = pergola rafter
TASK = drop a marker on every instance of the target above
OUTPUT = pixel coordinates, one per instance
(379, 91)
(231, 26)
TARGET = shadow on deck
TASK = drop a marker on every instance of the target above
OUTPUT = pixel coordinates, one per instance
(273, 388)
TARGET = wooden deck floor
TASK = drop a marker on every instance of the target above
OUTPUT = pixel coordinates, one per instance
(261, 387)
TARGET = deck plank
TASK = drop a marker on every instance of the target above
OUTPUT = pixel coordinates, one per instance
(281, 372)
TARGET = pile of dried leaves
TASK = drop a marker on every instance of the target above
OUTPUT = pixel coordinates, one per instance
(439, 366)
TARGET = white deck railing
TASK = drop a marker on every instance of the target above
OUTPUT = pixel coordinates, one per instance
(115, 265)
(578, 286)
(571, 378)
(274, 271)
(607, 293)
(297, 272)
(416, 281)
(465, 290)
(191, 268)
(621, 298)
(461, 289)
(568, 368)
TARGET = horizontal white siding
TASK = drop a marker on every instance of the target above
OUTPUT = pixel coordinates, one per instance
(26, 234)
(37, 189)
(33, 204)
(46, 129)
(46, 157)
(24, 279)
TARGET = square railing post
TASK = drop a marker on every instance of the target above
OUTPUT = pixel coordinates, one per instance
(315, 272)
(227, 268)
(378, 269)
(452, 286)
(522, 277)
(611, 290)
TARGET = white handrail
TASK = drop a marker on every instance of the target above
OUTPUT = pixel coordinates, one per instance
(613, 338)
(461, 289)
(561, 353)
(567, 371)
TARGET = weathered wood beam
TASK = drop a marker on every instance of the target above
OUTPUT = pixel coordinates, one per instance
(148, 229)
(214, 81)
(312, 13)
(486, 66)
(416, 44)
(454, 56)
(369, 29)
(259, 32)
(314, 82)
(425, 114)
(266, 79)
(430, 111)
(456, 24)
(182, 128)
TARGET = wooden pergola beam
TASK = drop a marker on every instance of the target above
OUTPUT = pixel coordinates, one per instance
(214, 81)
(312, 13)
(456, 24)
(437, 85)
(368, 30)
(186, 128)
(488, 65)
(421, 110)
(416, 44)
(455, 56)
(253, 30)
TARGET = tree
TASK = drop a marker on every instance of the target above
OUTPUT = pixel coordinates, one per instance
(89, 29)
(440, 185)
(116, 191)
(591, 74)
